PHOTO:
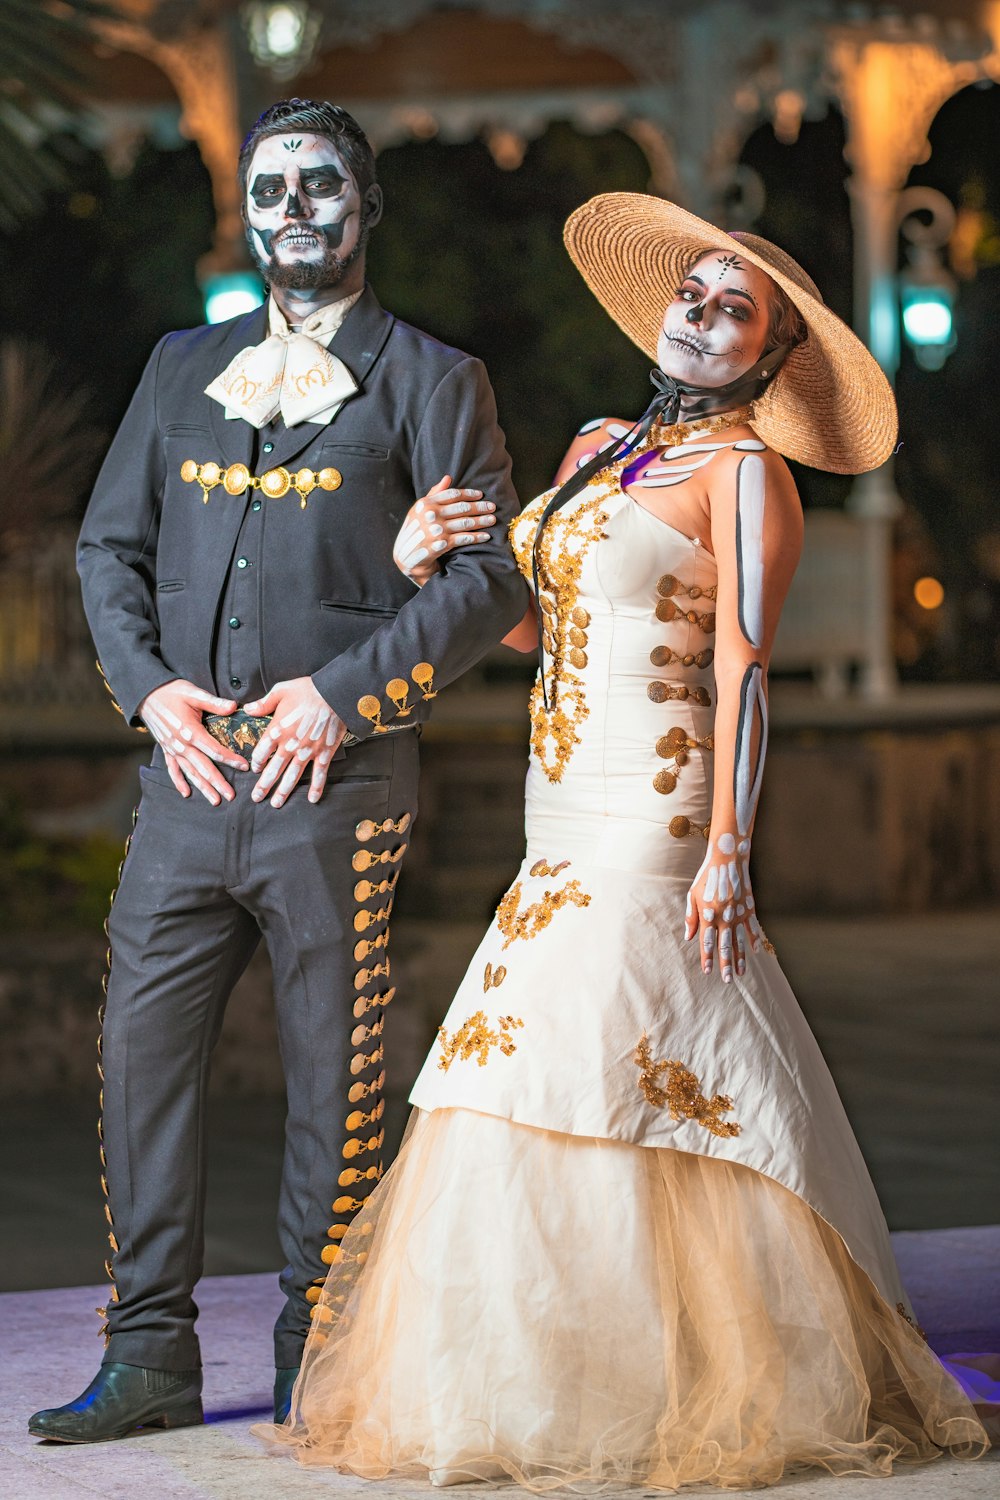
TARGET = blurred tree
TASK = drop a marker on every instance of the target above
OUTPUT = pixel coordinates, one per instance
(38, 78)
(48, 447)
(108, 267)
(475, 255)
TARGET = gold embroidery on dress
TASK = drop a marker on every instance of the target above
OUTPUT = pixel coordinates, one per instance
(493, 978)
(681, 1092)
(567, 537)
(475, 1038)
(534, 919)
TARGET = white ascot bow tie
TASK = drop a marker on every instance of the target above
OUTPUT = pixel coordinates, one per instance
(289, 373)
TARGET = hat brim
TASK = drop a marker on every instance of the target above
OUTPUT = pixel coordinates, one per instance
(829, 406)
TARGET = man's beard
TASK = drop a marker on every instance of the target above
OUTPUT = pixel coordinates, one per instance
(307, 276)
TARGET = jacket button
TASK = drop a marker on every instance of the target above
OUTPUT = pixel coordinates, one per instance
(255, 505)
(268, 447)
(243, 562)
(234, 624)
(235, 682)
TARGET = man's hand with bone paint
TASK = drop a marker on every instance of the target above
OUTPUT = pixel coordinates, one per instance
(173, 715)
(443, 519)
(304, 728)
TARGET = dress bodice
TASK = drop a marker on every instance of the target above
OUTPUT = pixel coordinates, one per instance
(628, 605)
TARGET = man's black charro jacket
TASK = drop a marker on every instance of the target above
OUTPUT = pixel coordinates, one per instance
(156, 561)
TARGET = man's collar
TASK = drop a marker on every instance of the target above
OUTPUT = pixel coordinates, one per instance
(320, 325)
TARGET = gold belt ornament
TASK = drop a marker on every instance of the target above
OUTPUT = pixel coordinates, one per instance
(276, 483)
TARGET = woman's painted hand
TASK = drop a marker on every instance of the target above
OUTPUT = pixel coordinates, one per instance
(720, 907)
(443, 519)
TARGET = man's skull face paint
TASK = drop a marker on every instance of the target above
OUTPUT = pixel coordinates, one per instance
(303, 211)
(715, 329)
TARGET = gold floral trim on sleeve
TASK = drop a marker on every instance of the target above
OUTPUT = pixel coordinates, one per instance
(681, 1092)
(515, 924)
(476, 1038)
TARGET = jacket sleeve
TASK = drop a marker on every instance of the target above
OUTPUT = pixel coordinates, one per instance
(475, 597)
(116, 554)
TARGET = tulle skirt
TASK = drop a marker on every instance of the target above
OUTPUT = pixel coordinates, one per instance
(577, 1313)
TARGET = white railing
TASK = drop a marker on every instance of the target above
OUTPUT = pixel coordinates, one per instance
(46, 654)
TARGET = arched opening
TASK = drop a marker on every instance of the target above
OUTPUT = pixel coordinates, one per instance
(946, 467)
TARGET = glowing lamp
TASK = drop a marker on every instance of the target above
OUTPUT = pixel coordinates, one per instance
(926, 287)
(282, 34)
(230, 294)
(929, 593)
(927, 320)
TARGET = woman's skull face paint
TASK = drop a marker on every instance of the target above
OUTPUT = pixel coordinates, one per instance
(303, 211)
(715, 329)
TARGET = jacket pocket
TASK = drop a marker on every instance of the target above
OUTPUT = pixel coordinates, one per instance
(172, 427)
(357, 450)
(171, 585)
(347, 607)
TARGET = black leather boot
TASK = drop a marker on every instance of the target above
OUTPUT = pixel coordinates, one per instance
(121, 1399)
(284, 1379)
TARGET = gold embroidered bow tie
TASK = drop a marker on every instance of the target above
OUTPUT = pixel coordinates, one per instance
(290, 374)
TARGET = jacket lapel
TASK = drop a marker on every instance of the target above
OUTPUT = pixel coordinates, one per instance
(234, 436)
(358, 342)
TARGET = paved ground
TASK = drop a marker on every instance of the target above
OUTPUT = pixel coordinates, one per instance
(223, 1461)
(906, 1012)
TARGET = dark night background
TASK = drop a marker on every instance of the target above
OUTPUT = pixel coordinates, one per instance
(899, 987)
(474, 254)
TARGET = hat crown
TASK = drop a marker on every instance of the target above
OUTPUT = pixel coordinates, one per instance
(778, 259)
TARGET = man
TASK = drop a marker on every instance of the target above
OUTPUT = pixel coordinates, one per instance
(238, 551)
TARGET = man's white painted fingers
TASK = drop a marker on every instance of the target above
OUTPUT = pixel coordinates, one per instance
(264, 749)
(175, 774)
(317, 781)
(269, 776)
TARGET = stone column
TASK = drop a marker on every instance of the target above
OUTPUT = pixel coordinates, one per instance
(890, 86)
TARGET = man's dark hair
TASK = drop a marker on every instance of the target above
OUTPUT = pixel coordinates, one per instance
(315, 117)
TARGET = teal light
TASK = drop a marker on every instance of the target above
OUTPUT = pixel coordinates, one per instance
(231, 293)
(927, 316)
(927, 320)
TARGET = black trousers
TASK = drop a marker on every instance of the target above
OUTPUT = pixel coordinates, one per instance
(200, 886)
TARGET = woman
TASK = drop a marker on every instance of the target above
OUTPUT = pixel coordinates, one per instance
(630, 1236)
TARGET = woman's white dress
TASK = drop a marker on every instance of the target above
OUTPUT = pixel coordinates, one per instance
(630, 1236)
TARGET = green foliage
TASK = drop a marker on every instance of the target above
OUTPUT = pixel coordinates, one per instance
(38, 74)
(109, 268)
(57, 883)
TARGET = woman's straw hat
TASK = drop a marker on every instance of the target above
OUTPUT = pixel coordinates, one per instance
(830, 405)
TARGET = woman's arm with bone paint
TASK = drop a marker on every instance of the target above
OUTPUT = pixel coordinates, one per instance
(757, 539)
(592, 437)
